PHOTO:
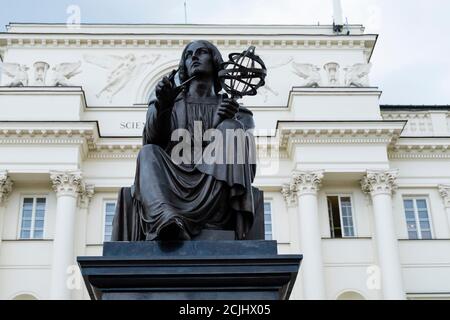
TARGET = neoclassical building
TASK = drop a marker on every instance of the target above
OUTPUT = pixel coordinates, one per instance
(362, 190)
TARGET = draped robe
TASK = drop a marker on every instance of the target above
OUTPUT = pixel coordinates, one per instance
(197, 195)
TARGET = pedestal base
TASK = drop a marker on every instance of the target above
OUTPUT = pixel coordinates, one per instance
(190, 270)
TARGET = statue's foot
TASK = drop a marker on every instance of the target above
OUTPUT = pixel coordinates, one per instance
(174, 231)
(183, 235)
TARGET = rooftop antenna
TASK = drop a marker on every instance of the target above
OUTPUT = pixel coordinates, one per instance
(346, 26)
(185, 12)
(338, 21)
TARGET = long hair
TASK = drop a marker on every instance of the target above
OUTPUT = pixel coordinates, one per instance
(217, 63)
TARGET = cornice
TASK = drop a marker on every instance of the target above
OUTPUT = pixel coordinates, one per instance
(41, 90)
(157, 41)
(49, 133)
(93, 146)
(127, 155)
(172, 27)
(419, 114)
(268, 147)
(339, 133)
(333, 91)
(420, 148)
(346, 125)
(418, 155)
(288, 135)
(85, 134)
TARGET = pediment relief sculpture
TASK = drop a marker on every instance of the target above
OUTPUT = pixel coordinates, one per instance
(120, 70)
(309, 73)
(358, 75)
(63, 72)
(332, 69)
(60, 73)
(40, 72)
(19, 73)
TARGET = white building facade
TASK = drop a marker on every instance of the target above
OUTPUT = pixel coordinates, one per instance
(362, 190)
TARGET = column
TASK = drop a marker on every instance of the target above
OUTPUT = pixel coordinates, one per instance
(380, 185)
(81, 229)
(306, 185)
(81, 222)
(444, 191)
(290, 197)
(67, 186)
(5, 189)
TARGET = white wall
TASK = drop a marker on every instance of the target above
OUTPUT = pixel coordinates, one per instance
(25, 265)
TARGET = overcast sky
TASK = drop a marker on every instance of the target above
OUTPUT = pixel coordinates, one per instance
(411, 60)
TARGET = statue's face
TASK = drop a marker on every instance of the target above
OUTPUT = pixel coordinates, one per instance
(198, 60)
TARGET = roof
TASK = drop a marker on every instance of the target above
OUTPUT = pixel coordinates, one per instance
(287, 29)
(413, 107)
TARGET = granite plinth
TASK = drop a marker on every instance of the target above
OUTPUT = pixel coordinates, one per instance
(190, 270)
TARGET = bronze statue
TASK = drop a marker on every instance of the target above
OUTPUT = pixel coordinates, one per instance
(173, 200)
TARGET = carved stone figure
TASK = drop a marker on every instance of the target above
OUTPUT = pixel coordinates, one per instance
(332, 69)
(63, 72)
(308, 72)
(121, 70)
(358, 75)
(266, 90)
(173, 200)
(40, 73)
(19, 73)
(272, 63)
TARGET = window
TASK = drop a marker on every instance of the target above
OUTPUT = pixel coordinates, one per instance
(417, 218)
(268, 221)
(341, 216)
(110, 209)
(33, 215)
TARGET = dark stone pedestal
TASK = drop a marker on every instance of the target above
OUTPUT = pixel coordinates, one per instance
(190, 270)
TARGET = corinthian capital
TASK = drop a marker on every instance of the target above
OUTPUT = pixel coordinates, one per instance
(379, 182)
(444, 191)
(306, 182)
(86, 195)
(5, 186)
(67, 183)
(289, 195)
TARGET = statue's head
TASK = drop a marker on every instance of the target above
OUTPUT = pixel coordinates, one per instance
(201, 58)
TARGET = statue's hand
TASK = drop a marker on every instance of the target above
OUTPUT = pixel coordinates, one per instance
(228, 108)
(165, 95)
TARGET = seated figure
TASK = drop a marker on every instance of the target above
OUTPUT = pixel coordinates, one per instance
(176, 200)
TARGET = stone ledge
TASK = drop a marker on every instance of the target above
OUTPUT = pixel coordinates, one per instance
(190, 270)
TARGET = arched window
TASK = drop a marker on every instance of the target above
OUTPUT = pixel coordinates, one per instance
(148, 84)
(350, 295)
(25, 296)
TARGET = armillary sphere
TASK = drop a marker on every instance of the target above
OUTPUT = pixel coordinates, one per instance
(243, 74)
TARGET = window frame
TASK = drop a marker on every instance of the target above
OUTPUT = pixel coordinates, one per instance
(270, 202)
(105, 203)
(339, 196)
(33, 215)
(414, 199)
